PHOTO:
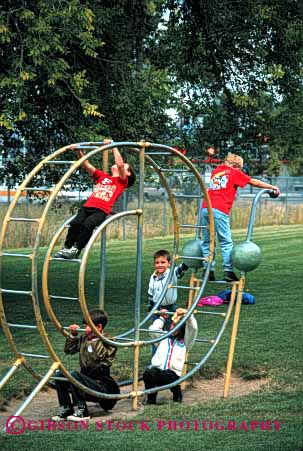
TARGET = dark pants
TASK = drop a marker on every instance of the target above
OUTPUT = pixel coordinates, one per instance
(69, 395)
(153, 377)
(82, 226)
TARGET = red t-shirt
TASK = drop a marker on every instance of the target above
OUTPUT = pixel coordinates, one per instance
(106, 191)
(224, 181)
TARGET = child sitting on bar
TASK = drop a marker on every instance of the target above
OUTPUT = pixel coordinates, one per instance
(96, 358)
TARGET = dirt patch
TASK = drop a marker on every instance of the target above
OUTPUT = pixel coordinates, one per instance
(45, 404)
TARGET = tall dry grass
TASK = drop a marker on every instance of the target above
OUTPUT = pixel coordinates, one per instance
(158, 220)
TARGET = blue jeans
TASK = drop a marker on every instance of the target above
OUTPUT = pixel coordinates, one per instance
(223, 233)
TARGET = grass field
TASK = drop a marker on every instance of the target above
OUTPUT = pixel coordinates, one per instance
(269, 345)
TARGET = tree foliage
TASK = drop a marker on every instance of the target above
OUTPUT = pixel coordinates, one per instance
(75, 70)
(238, 61)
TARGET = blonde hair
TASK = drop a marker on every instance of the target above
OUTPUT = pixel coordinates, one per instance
(234, 160)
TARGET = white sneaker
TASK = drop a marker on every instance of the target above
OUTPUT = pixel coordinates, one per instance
(80, 414)
(71, 253)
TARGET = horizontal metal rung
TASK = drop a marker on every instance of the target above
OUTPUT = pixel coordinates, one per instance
(184, 287)
(8, 254)
(21, 326)
(36, 356)
(66, 259)
(221, 282)
(153, 331)
(25, 219)
(175, 170)
(65, 298)
(79, 330)
(204, 340)
(212, 313)
(60, 162)
(3, 290)
(192, 258)
(193, 226)
(159, 153)
(191, 196)
(86, 148)
(88, 144)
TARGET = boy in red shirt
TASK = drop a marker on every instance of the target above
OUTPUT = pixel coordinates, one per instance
(224, 181)
(95, 210)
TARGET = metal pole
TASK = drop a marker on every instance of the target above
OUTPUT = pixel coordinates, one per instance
(124, 206)
(234, 331)
(103, 247)
(102, 269)
(286, 201)
(36, 390)
(164, 215)
(138, 279)
(10, 373)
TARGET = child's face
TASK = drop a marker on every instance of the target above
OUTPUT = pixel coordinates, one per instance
(161, 265)
(89, 332)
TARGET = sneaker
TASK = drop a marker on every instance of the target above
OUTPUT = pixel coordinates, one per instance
(230, 276)
(211, 277)
(60, 254)
(71, 253)
(80, 414)
(64, 412)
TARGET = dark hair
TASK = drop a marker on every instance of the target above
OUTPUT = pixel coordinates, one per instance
(98, 316)
(162, 253)
(181, 332)
(132, 176)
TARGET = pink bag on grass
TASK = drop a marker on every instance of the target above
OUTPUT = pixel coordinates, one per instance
(213, 301)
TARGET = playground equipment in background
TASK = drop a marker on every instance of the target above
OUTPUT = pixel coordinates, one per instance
(151, 153)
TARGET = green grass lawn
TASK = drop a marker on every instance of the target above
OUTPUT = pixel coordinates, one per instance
(269, 344)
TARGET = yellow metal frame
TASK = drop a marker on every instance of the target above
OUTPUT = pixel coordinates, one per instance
(57, 363)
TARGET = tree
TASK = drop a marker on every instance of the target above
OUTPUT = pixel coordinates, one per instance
(239, 54)
(75, 71)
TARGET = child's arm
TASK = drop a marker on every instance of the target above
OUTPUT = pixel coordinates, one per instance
(158, 325)
(72, 343)
(191, 327)
(180, 270)
(119, 162)
(86, 164)
(259, 184)
(191, 331)
(105, 352)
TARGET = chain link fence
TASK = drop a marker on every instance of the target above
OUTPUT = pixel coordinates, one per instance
(158, 221)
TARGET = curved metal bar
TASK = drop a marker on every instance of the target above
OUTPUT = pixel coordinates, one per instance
(253, 212)
(172, 202)
(46, 296)
(83, 265)
(5, 223)
(41, 222)
(40, 324)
